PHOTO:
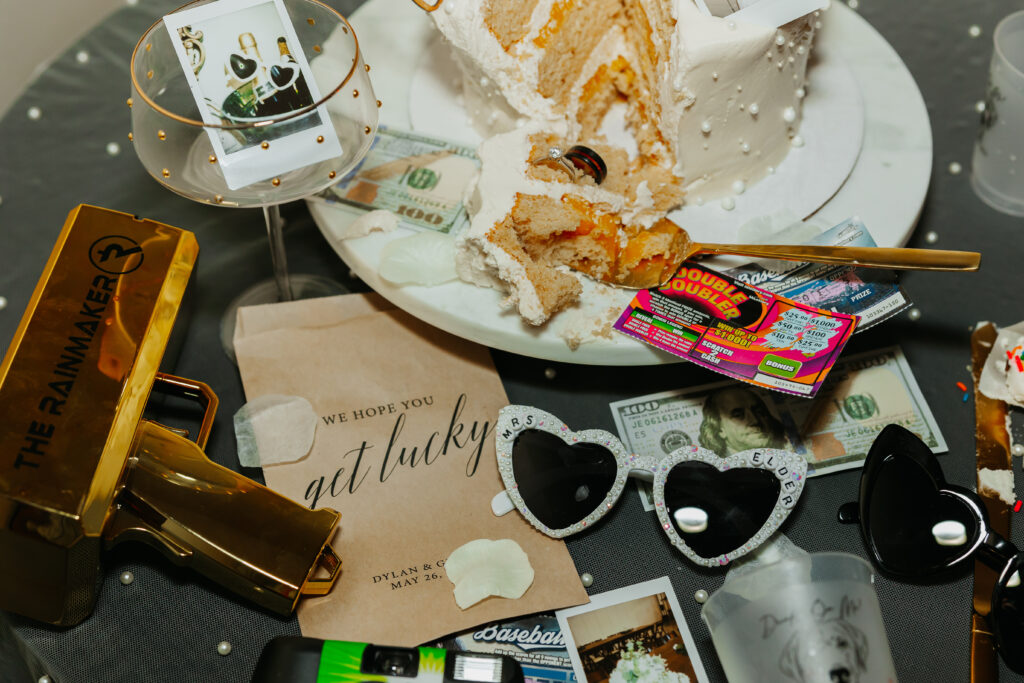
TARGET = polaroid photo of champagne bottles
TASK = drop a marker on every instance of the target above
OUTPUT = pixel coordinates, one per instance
(245, 66)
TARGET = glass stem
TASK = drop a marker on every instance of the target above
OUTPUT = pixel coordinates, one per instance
(272, 215)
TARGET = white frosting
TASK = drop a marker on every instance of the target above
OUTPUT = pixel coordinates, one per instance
(997, 482)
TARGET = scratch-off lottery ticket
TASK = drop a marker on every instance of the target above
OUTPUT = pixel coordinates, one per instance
(738, 330)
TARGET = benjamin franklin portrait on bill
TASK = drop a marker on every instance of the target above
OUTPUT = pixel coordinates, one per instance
(737, 419)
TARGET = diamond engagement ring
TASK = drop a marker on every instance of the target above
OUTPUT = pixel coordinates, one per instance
(576, 161)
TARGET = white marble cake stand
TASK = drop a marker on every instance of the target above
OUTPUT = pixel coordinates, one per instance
(886, 186)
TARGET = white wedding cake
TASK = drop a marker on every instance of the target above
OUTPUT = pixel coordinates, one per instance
(638, 666)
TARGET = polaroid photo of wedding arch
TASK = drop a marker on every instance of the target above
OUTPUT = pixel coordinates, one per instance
(631, 635)
(244, 64)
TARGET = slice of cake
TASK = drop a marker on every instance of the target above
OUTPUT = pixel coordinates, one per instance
(531, 222)
(714, 101)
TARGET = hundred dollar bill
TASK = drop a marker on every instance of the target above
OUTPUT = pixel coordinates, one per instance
(418, 178)
(864, 393)
(871, 293)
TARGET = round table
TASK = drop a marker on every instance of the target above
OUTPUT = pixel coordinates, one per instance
(167, 623)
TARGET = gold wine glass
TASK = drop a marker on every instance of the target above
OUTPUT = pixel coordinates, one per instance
(287, 109)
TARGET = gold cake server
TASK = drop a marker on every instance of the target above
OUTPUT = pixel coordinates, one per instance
(657, 272)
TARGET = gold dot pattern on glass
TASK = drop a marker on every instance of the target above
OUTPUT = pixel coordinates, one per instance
(265, 145)
(331, 175)
(355, 93)
(317, 48)
(130, 136)
(366, 130)
(219, 198)
(319, 139)
(162, 135)
(367, 67)
(149, 74)
(129, 101)
(275, 182)
(378, 104)
(166, 173)
(311, 21)
(213, 159)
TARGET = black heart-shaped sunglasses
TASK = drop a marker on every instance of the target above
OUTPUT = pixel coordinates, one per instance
(916, 525)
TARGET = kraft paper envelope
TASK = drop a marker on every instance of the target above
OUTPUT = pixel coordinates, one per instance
(404, 449)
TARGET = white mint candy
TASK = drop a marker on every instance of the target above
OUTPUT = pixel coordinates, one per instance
(950, 533)
(691, 520)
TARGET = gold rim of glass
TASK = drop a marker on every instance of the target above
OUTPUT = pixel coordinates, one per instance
(256, 124)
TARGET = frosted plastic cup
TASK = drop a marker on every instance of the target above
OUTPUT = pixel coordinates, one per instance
(997, 170)
(810, 618)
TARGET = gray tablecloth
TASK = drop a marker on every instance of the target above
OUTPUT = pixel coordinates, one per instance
(165, 626)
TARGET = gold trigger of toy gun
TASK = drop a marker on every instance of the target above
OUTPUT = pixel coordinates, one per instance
(81, 469)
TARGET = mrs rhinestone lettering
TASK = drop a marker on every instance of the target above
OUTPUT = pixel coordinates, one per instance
(81, 335)
(457, 437)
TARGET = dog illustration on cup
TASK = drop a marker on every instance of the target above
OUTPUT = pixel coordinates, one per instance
(827, 647)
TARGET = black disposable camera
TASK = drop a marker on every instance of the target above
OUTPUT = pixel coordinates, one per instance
(290, 659)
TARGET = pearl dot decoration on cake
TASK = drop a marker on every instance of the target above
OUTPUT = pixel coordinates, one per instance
(914, 314)
(1018, 449)
(754, 109)
(550, 373)
(853, 4)
(3, 302)
(797, 141)
(705, 126)
(45, 678)
(801, 93)
(780, 39)
(113, 149)
(701, 596)
(699, 201)
(731, 25)
(728, 203)
(739, 187)
(223, 648)
(34, 113)
(789, 115)
(82, 57)
(587, 580)
(800, 49)
(931, 237)
(745, 147)
(771, 170)
(955, 168)
(974, 31)
(979, 106)
(126, 577)
(714, 75)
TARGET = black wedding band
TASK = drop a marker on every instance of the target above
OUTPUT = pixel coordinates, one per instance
(588, 161)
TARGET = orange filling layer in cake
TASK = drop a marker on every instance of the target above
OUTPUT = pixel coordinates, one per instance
(533, 225)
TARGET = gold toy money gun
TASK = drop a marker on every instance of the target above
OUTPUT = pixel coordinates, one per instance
(81, 469)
